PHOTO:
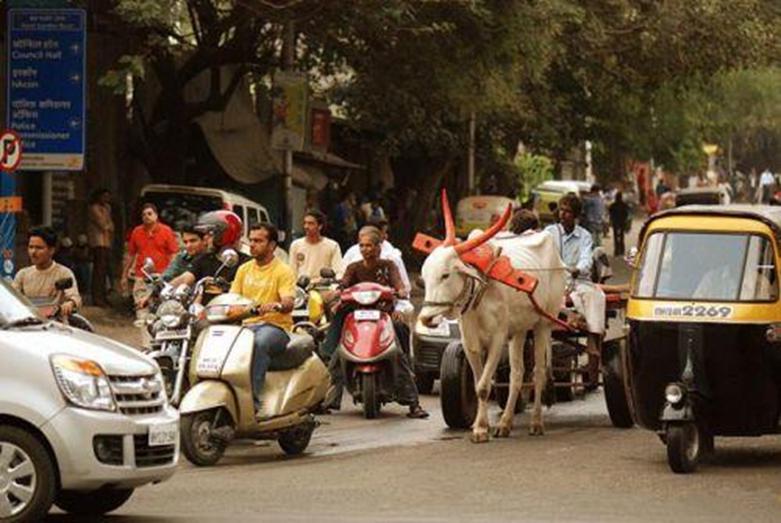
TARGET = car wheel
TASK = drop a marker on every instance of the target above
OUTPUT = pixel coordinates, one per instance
(27, 476)
(93, 502)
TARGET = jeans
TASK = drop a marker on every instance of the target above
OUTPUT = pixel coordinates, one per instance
(270, 341)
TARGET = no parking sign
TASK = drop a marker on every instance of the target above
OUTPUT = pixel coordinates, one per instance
(10, 151)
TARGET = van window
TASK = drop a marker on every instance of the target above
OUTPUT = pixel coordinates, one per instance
(178, 210)
(239, 209)
(264, 216)
(252, 216)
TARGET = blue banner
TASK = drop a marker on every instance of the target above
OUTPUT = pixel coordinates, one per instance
(46, 86)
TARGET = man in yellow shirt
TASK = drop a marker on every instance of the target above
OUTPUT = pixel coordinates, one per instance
(270, 283)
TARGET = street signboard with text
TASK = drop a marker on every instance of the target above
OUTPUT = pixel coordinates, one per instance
(46, 86)
(289, 105)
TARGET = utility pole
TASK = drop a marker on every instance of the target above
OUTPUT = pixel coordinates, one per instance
(288, 59)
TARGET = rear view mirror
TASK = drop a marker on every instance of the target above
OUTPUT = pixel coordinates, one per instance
(229, 258)
(303, 281)
(149, 266)
(631, 257)
(327, 273)
(63, 284)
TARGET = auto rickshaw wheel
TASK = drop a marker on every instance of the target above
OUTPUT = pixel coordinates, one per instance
(683, 447)
(615, 391)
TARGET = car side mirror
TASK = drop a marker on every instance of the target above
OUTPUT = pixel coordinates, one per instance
(327, 273)
(303, 281)
(631, 257)
(229, 258)
(63, 284)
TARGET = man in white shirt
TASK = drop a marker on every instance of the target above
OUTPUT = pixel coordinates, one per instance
(313, 252)
(387, 252)
(766, 183)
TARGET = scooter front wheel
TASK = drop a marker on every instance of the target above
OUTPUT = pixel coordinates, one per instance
(371, 401)
(296, 440)
(201, 443)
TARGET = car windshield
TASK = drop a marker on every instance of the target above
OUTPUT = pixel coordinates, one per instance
(707, 267)
(13, 306)
(180, 209)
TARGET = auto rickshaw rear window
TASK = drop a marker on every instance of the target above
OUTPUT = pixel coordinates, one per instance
(707, 267)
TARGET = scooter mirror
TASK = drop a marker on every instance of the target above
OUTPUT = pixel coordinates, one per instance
(63, 284)
(303, 281)
(327, 273)
(149, 265)
(229, 258)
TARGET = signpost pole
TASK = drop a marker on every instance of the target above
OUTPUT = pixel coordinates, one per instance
(7, 227)
(288, 50)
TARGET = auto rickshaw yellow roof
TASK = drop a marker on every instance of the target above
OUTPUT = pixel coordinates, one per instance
(770, 215)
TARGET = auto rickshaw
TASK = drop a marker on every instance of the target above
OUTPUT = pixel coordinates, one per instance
(704, 354)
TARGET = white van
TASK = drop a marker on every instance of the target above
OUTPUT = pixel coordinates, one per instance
(182, 204)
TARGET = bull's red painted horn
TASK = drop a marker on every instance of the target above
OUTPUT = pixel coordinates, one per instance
(450, 227)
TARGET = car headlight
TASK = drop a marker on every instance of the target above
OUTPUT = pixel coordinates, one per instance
(83, 383)
(367, 297)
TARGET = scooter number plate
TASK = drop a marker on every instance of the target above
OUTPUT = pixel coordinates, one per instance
(163, 434)
(367, 315)
(180, 334)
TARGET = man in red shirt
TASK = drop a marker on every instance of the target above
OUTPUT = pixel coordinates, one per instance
(151, 239)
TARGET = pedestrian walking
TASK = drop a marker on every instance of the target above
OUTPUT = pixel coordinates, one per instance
(100, 235)
(767, 182)
(593, 214)
(619, 219)
(154, 240)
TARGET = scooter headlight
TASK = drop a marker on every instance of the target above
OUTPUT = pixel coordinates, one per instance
(674, 393)
(300, 299)
(367, 297)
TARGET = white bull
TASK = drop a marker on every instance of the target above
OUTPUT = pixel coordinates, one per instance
(501, 313)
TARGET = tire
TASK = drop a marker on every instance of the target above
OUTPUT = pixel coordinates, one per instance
(32, 474)
(683, 447)
(616, 390)
(371, 402)
(565, 394)
(295, 441)
(197, 444)
(92, 503)
(457, 395)
(615, 399)
(424, 382)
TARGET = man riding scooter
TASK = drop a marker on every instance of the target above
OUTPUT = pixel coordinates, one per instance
(271, 284)
(385, 272)
(39, 280)
(575, 247)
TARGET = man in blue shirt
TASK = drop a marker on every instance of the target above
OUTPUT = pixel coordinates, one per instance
(575, 247)
(594, 214)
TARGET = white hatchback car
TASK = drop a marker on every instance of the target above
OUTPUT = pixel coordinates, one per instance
(83, 420)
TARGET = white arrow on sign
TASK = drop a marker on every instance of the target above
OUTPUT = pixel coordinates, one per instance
(10, 151)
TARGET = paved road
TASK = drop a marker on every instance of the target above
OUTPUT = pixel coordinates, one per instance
(397, 469)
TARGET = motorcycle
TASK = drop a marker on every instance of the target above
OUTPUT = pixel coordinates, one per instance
(51, 307)
(368, 347)
(310, 312)
(173, 327)
(219, 406)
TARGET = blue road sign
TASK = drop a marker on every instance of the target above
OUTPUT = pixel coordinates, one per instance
(7, 228)
(46, 86)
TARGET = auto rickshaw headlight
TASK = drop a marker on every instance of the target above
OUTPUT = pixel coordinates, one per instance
(674, 393)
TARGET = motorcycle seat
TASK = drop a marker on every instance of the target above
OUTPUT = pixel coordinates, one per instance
(298, 350)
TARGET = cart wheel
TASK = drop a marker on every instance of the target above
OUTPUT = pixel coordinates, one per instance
(457, 388)
(568, 393)
(683, 447)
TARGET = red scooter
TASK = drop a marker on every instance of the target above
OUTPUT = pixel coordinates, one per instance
(368, 347)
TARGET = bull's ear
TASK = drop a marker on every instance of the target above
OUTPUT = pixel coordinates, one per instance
(467, 269)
